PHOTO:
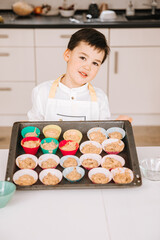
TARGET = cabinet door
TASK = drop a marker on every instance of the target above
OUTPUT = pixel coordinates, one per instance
(17, 64)
(134, 80)
(50, 65)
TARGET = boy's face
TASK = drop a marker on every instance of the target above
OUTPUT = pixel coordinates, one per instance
(83, 63)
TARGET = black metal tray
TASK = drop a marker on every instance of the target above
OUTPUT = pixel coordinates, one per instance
(129, 153)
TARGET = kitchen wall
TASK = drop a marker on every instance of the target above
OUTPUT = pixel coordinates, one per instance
(83, 4)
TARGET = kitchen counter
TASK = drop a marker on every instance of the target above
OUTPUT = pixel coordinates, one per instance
(32, 21)
(111, 214)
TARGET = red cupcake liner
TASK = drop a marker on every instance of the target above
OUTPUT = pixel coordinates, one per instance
(64, 152)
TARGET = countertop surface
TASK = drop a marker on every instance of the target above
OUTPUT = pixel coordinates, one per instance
(110, 214)
(33, 21)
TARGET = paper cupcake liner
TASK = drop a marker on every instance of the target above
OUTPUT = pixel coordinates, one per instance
(116, 129)
(22, 172)
(55, 172)
(116, 171)
(96, 144)
(46, 156)
(96, 129)
(62, 160)
(107, 173)
(80, 170)
(94, 156)
(116, 157)
(109, 141)
(24, 156)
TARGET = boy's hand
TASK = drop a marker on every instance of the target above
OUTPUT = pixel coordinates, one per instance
(124, 117)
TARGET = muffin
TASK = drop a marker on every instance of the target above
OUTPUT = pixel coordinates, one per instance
(52, 131)
(50, 176)
(26, 161)
(100, 175)
(49, 145)
(122, 175)
(91, 147)
(73, 134)
(68, 147)
(73, 174)
(25, 177)
(97, 134)
(90, 160)
(48, 161)
(113, 146)
(116, 133)
(69, 161)
(111, 161)
(30, 144)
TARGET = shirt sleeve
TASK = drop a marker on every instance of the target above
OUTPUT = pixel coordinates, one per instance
(103, 105)
(37, 112)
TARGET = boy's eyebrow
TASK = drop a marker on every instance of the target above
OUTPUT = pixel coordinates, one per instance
(88, 56)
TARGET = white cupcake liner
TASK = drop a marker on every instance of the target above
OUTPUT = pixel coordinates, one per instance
(55, 172)
(98, 145)
(107, 173)
(116, 129)
(94, 156)
(109, 141)
(24, 156)
(96, 129)
(116, 157)
(122, 170)
(66, 171)
(45, 157)
(66, 157)
(22, 172)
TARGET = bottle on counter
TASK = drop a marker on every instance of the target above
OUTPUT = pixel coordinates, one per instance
(130, 11)
(93, 10)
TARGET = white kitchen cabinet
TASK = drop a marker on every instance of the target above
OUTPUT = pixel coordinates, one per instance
(134, 74)
(17, 74)
(50, 46)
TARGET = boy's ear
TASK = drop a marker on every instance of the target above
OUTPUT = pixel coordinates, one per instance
(66, 54)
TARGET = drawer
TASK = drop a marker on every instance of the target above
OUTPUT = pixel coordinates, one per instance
(15, 98)
(56, 37)
(16, 37)
(135, 37)
(17, 64)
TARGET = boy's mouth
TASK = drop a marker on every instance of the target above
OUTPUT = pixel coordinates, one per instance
(83, 74)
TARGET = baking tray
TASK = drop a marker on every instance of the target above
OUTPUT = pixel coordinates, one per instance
(129, 153)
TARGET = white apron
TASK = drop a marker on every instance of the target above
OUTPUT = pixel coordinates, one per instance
(68, 110)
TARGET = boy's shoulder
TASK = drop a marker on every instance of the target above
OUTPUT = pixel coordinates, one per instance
(99, 91)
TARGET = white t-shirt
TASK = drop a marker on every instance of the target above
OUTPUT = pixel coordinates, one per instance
(40, 96)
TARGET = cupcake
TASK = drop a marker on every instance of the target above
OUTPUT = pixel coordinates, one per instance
(25, 177)
(69, 161)
(26, 161)
(30, 131)
(52, 131)
(122, 175)
(116, 132)
(49, 145)
(97, 134)
(73, 134)
(30, 144)
(68, 147)
(91, 147)
(111, 161)
(113, 146)
(48, 161)
(90, 160)
(100, 175)
(73, 174)
(50, 176)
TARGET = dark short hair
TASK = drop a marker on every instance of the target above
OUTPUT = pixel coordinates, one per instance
(91, 36)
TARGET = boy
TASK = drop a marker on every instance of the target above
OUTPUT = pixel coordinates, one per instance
(72, 97)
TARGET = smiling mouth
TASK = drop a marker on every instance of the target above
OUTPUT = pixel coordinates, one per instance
(84, 75)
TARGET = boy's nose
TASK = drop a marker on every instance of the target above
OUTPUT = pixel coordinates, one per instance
(87, 66)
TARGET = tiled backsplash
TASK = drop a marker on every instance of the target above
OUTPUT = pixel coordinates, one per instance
(83, 4)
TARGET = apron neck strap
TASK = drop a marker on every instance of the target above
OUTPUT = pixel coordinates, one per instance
(55, 85)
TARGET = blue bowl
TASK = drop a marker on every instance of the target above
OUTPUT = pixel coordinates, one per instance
(7, 190)
(80, 170)
(30, 129)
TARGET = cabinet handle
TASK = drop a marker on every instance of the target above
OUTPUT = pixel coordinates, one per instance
(4, 54)
(116, 62)
(4, 36)
(65, 36)
(6, 89)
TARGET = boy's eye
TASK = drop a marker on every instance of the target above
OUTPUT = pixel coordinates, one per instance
(96, 64)
(83, 58)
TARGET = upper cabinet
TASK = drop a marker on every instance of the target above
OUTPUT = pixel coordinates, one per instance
(134, 74)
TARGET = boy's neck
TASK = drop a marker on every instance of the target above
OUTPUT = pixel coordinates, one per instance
(68, 83)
